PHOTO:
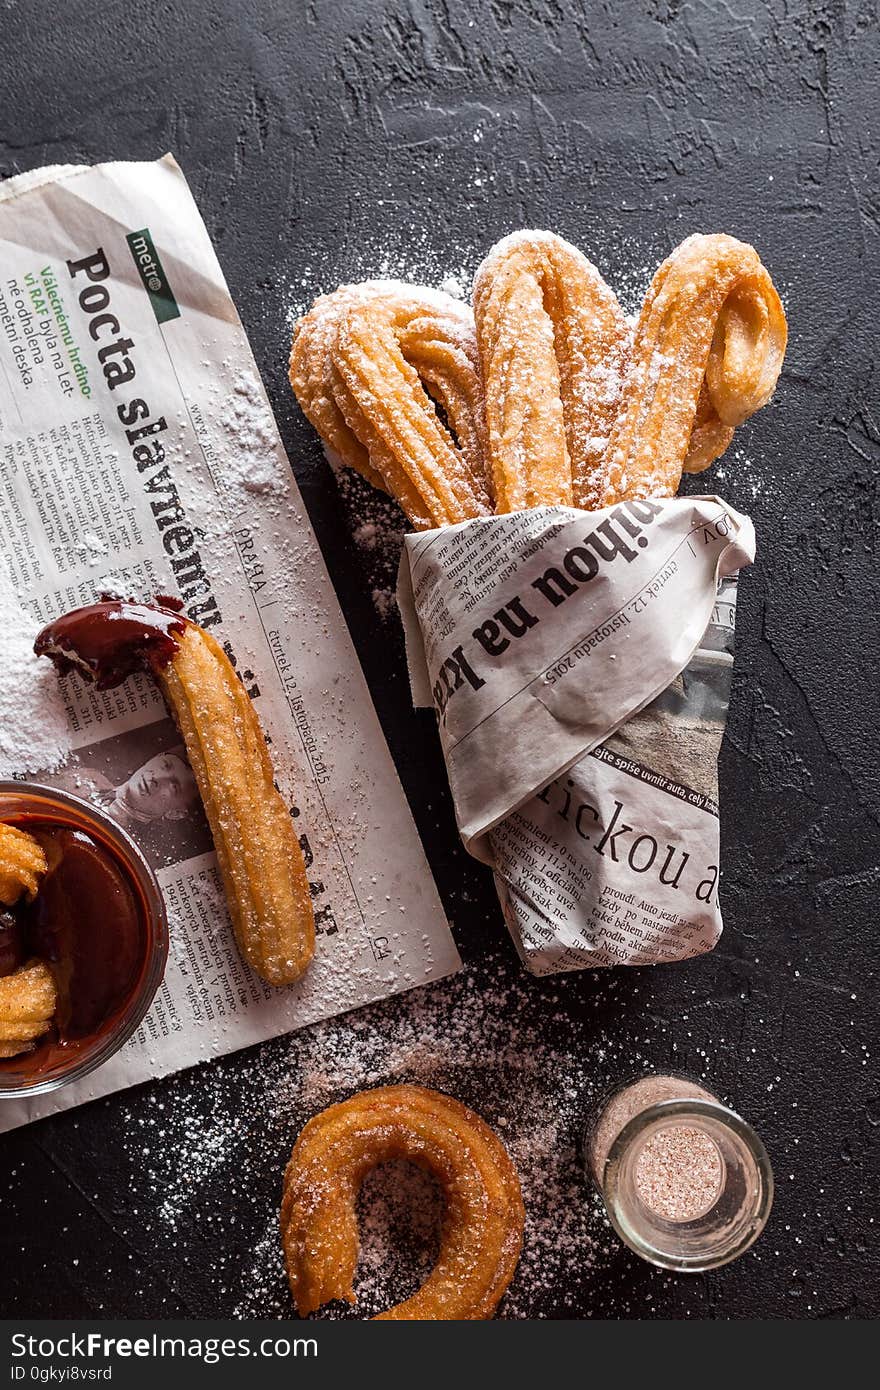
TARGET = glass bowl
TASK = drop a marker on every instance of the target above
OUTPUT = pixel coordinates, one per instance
(55, 1063)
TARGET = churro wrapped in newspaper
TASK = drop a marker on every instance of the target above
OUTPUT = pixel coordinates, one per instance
(568, 617)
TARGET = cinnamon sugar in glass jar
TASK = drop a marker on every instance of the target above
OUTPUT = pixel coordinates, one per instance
(109, 959)
(686, 1183)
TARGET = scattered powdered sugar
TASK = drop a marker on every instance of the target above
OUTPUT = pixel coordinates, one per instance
(490, 1036)
(630, 283)
(115, 585)
(417, 262)
(251, 459)
(400, 1214)
(34, 733)
(377, 527)
(384, 601)
(741, 479)
(93, 549)
(454, 287)
(207, 1150)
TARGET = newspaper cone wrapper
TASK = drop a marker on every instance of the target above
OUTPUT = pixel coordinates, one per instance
(579, 665)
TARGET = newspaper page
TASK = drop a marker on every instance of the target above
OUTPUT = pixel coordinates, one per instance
(140, 456)
(579, 664)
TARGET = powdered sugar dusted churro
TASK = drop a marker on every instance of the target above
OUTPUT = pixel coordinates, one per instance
(711, 321)
(549, 395)
(483, 1226)
(553, 343)
(370, 364)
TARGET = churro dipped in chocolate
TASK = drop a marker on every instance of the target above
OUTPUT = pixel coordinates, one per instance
(483, 1225)
(27, 988)
(22, 861)
(28, 998)
(260, 858)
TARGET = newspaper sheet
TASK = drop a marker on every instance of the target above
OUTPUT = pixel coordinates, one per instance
(139, 455)
(579, 664)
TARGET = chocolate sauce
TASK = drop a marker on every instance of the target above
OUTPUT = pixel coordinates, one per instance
(107, 641)
(12, 949)
(87, 923)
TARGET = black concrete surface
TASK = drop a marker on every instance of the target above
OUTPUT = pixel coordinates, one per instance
(329, 140)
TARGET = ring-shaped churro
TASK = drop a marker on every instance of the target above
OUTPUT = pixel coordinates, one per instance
(483, 1223)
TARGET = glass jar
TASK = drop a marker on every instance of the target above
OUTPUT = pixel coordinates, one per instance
(54, 1062)
(686, 1183)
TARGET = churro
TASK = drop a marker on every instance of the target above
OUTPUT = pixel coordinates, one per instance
(709, 437)
(27, 1007)
(553, 344)
(315, 382)
(483, 1225)
(22, 861)
(370, 366)
(548, 395)
(259, 855)
(711, 321)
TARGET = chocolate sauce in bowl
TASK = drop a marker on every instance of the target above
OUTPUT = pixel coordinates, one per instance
(85, 923)
(12, 947)
(89, 922)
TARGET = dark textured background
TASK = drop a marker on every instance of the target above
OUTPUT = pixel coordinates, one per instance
(327, 140)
